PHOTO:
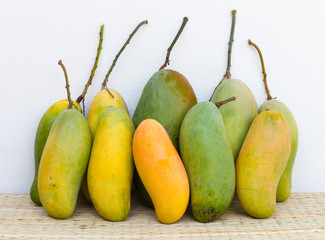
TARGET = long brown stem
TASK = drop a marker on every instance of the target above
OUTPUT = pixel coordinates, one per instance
(219, 104)
(104, 84)
(92, 74)
(231, 40)
(269, 97)
(185, 19)
(67, 84)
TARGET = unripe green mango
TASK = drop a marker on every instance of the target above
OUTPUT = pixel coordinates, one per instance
(63, 163)
(284, 186)
(110, 169)
(261, 162)
(237, 115)
(42, 134)
(166, 98)
(209, 162)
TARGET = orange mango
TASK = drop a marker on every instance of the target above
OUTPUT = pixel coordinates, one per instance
(161, 170)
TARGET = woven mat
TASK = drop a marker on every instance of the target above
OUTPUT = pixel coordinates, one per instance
(300, 217)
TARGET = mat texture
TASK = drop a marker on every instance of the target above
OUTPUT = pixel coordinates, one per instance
(302, 216)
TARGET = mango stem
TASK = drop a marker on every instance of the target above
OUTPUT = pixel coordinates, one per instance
(67, 86)
(223, 78)
(219, 104)
(269, 97)
(185, 19)
(231, 40)
(92, 74)
(104, 84)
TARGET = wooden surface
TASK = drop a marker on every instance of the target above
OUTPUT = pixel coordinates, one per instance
(302, 216)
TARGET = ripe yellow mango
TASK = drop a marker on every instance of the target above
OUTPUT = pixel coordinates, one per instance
(102, 100)
(161, 170)
(261, 162)
(110, 169)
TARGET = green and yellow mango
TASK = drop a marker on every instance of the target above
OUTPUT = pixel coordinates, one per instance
(63, 163)
(261, 162)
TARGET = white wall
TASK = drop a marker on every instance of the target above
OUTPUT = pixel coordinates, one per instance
(35, 34)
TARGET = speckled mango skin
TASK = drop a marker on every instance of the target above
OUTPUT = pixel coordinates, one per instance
(101, 101)
(42, 134)
(64, 162)
(110, 169)
(261, 162)
(237, 115)
(208, 159)
(166, 98)
(161, 171)
(284, 186)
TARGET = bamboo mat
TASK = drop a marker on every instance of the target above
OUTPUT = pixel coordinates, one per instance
(302, 216)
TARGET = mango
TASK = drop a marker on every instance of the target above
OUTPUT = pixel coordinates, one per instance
(166, 98)
(161, 170)
(284, 186)
(208, 159)
(237, 115)
(110, 169)
(63, 163)
(43, 131)
(103, 100)
(50, 115)
(106, 98)
(261, 162)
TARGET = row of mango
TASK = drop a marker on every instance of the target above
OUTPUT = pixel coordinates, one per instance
(174, 151)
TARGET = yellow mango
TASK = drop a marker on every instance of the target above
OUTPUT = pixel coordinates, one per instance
(110, 169)
(102, 100)
(261, 162)
(106, 98)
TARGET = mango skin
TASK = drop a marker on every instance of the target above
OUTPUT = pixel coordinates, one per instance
(166, 98)
(261, 162)
(161, 171)
(284, 186)
(43, 131)
(110, 169)
(237, 115)
(64, 162)
(208, 159)
(101, 101)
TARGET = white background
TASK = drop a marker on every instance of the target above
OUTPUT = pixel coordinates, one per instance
(34, 35)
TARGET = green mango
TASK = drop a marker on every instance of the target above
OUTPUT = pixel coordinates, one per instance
(209, 162)
(284, 186)
(42, 134)
(237, 115)
(166, 98)
(64, 163)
